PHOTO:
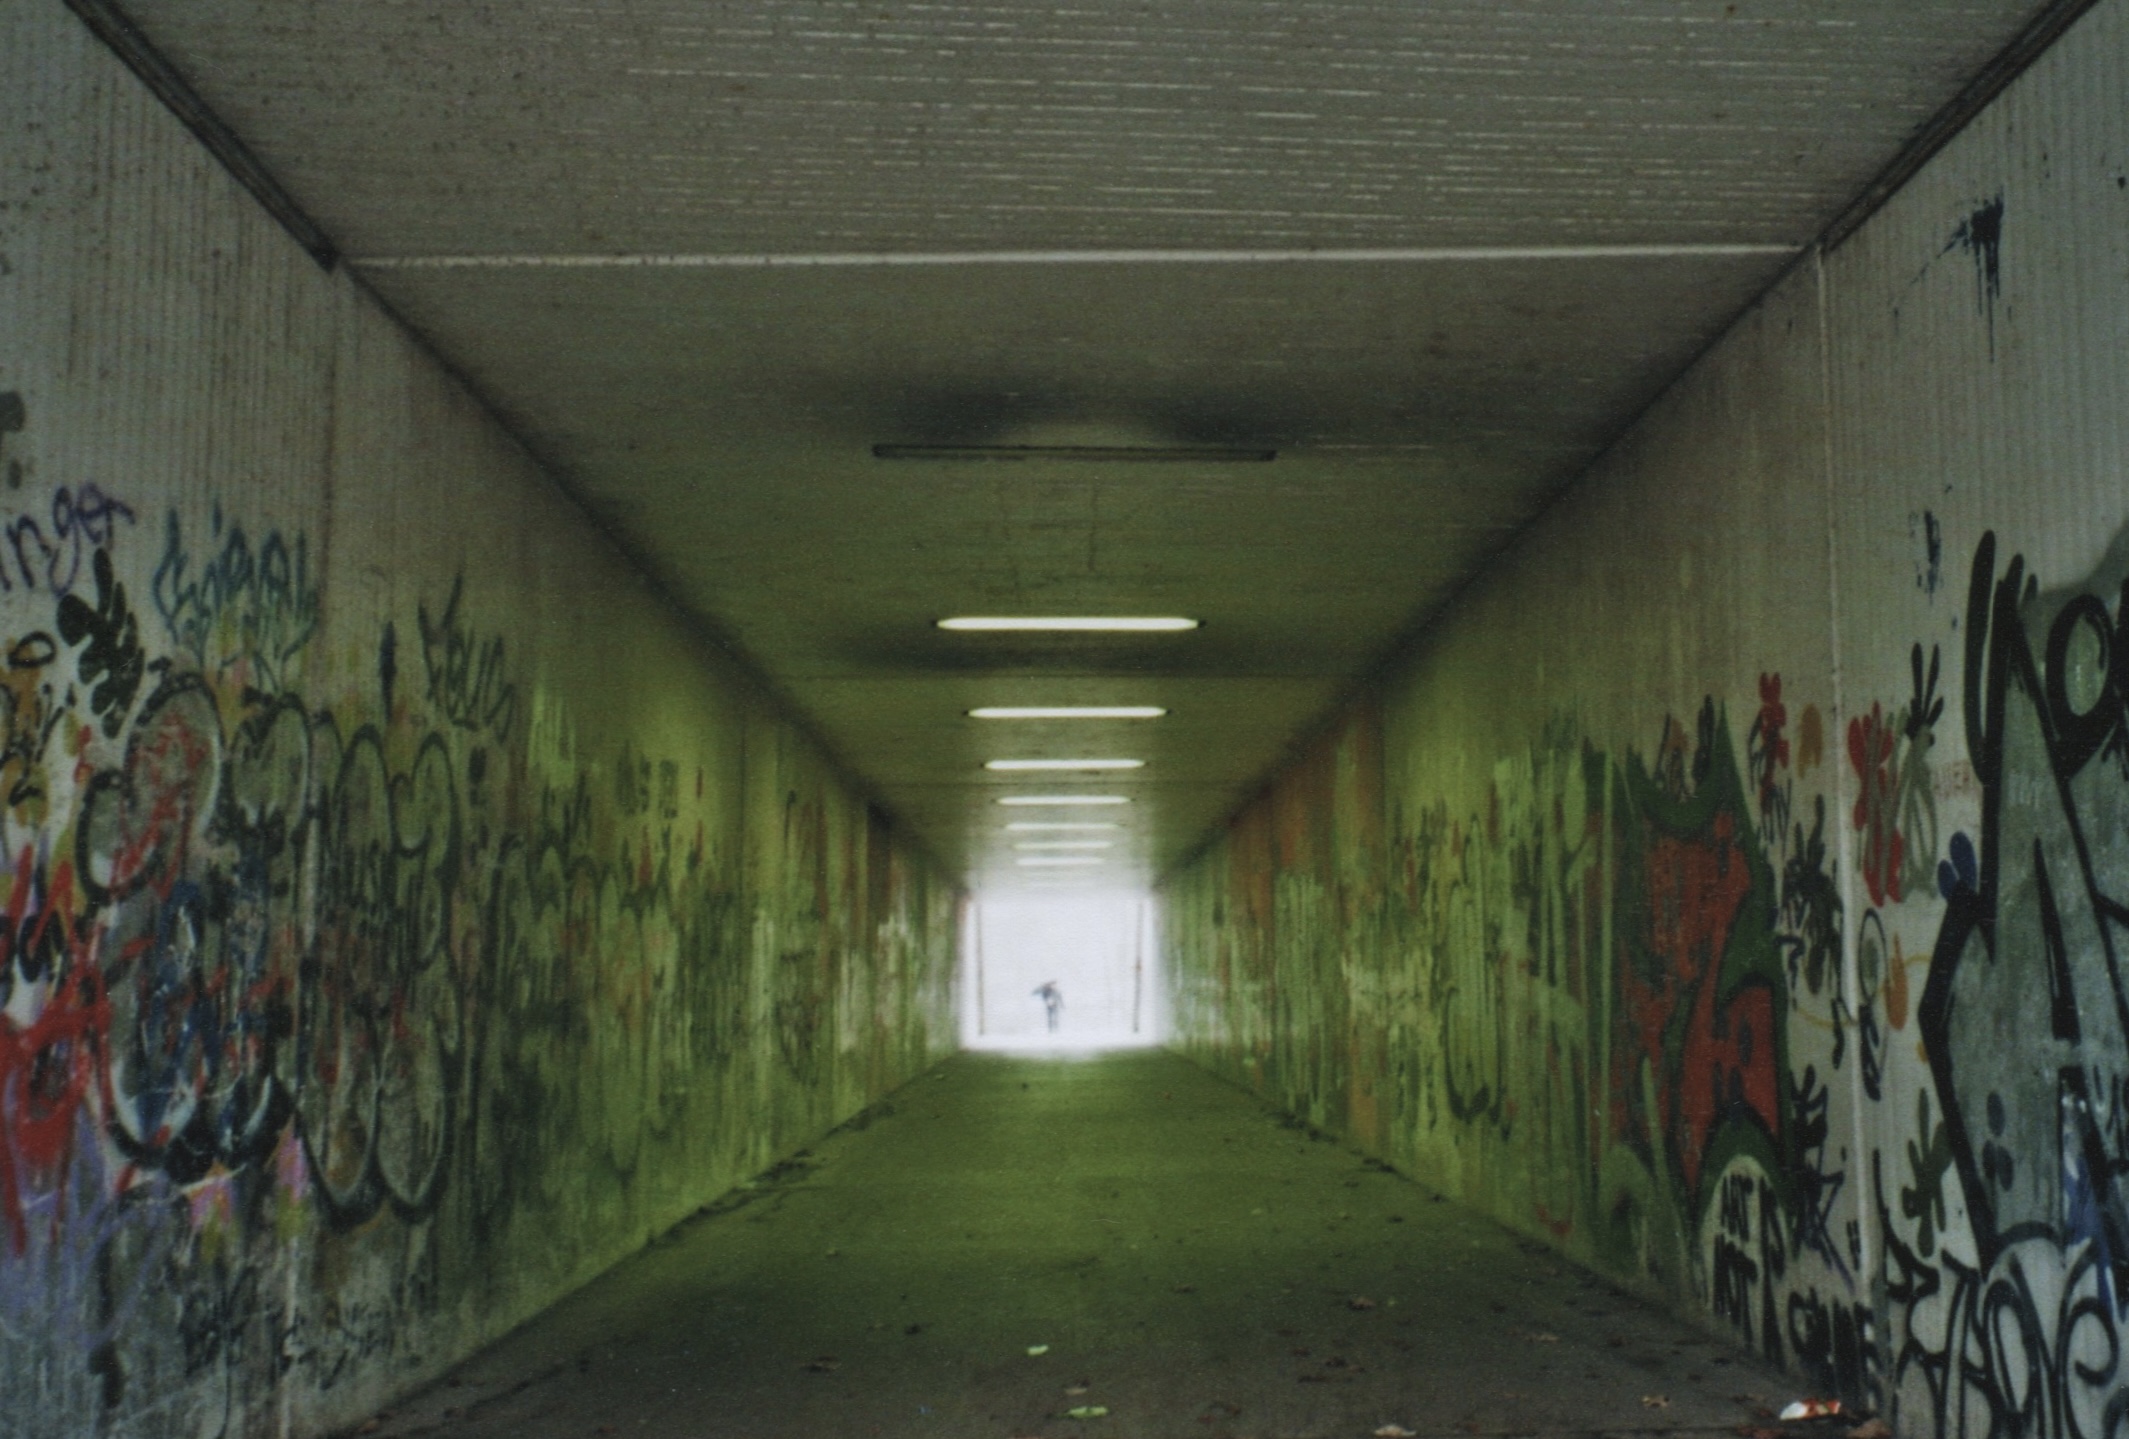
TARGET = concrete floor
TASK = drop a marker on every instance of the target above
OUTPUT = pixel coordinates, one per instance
(1193, 1264)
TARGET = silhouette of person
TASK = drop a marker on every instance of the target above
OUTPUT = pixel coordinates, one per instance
(1052, 1001)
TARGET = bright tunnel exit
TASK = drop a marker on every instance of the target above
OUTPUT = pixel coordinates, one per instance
(1073, 971)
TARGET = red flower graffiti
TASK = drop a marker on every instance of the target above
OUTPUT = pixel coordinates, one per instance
(1769, 745)
(1870, 752)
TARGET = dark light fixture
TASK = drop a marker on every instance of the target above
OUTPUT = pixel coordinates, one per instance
(1105, 454)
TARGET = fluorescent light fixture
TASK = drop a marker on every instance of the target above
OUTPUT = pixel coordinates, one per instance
(1155, 624)
(1068, 712)
(1057, 861)
(1080, 799)
(1064, 764)
(1029, 826)
(1110, 454)
(1067, 844)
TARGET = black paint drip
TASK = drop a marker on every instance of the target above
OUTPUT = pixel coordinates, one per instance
(1980, 234)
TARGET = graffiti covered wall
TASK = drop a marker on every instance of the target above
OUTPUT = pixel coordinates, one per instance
(404, 915)
(1731, 889)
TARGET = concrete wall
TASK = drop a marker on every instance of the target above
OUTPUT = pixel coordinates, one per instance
(1730, 889)
(405, 917)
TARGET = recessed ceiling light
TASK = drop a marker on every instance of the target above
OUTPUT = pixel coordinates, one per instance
(1149, 623)
(1064, 764)
(1066, 844)
(1034, 799)
(1025, 712)
(1056, 861)
(1025, 826)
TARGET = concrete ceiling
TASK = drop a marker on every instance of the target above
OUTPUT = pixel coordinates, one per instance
(704, 256)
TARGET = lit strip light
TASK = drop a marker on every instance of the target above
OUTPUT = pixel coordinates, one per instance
(1056, 861)
(1063, 764)
(1151, 624)
(1109, 454)
(1027, 826)
(1035, 712)
(1074, 799)
(1061, 844)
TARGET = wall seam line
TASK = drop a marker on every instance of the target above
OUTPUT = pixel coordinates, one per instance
(1866, 1246)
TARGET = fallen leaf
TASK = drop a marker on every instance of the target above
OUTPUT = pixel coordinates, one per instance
(1655, 1401)
(1396, 1431)
(1036, 1351)
(1087, 1411)
(1075, 1390)
(1541, 1337)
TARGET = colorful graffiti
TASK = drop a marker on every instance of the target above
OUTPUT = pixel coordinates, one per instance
(318, 1018)
(1617, 1001)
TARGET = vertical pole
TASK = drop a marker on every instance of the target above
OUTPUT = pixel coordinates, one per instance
(1138, 963)
(975, 943)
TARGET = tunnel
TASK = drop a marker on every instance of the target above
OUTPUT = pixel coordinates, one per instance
(990, 718)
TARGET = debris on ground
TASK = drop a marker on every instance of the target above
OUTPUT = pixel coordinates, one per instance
(1396, 1431)
(1655, 1401)
(1075, 1390)
(1810, 1409)
(1541, 1337)
(1359, 1301)
(826, 1364)
(1036, 1351)
(1087, 1411)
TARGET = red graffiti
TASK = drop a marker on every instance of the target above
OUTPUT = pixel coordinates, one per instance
(48, 1065)
(1724, 1065)
(1770, 746)
(1870, 752)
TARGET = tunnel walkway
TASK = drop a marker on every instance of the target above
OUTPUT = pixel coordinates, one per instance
(1193, 1264)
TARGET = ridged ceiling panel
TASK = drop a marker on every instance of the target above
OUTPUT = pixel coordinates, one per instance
(541, 126)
